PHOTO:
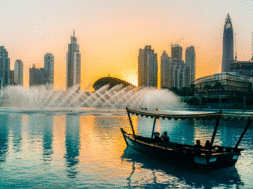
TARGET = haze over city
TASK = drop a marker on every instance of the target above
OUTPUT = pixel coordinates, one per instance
(110, 34)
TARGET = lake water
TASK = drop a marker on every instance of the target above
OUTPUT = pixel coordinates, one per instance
(88, 151)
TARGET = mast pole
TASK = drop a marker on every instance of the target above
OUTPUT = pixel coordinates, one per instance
(153, 128)
(130, 120)
(247, 126)
(215, 130)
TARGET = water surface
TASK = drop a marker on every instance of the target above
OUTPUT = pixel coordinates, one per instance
(88, 151)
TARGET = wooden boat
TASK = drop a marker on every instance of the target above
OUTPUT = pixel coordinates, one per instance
(212, 157)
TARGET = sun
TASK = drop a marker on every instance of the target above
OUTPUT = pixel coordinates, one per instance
(131, 77)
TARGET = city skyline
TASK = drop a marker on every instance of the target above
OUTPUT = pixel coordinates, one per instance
(110, 34)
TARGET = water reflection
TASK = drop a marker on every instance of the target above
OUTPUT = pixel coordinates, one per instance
(90, 152)
(47, 138)
(72, 143)
(163, 174)
(104, 127)
(15, 125)
(4, 134)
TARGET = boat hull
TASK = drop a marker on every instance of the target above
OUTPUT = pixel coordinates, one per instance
(183, 155)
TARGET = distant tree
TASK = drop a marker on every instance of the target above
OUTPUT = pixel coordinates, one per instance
(175, 90)
(193, 89)
(204, 100)
(185, 91)
(193, 101)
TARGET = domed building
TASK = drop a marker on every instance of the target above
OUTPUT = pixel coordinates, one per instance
(111, 81)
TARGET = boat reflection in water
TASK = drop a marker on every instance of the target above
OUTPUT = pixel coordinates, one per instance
(170, 175)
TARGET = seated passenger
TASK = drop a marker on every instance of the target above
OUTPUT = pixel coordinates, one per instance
(198, 145)
(157, 137)
(208, 144)
(165, 137)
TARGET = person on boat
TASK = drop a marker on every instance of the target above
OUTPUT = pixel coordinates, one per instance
(165, 137)
(208, 144)
(198, 145)
(157, 137)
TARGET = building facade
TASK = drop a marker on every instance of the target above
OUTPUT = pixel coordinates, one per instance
(165, 71)
(73, 72)
(190, 61)
(11, 77)
(176, 53)
(147, 67)
(179, 74)
(244, 68)
(224, 85)
(49, 69)
(4, 67)
(18, 73)
(228, 45)
(36, 76)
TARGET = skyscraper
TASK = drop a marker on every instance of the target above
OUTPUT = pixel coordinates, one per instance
(11, 74)
(73, 72)
(190, 60)
(176, 53)
(228, 45)
(49, 69)
(4, 67)
(147, 67)
(165, 70)
(18, 73)
(36, 76)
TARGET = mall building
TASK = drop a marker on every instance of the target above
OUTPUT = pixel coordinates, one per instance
(224, 85)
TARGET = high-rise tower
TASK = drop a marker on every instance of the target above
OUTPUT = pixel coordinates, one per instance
(4, 67)
(18, 73)
(147, 67)
(190, 60)
(165, 70)
(176, 53)
(49, 69)
(73, 71)
(228, 45)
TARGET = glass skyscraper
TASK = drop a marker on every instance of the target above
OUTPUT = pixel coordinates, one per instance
(190, 60)
(228, 45)
(4, 67)
(73, 72)
(18, 73)
(49, 69)
(165, 71)
(147, 67)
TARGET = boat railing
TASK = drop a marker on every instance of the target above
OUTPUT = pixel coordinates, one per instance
(185, 148)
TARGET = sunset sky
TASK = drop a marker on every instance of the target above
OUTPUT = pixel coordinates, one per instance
(110, 33)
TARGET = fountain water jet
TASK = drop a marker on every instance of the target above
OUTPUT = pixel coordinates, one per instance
(118, 97)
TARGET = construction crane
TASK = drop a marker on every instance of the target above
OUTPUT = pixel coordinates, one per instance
(235, 49)
(176, 42)
(252, 46)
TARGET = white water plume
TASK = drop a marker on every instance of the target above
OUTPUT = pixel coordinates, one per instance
(118, 97)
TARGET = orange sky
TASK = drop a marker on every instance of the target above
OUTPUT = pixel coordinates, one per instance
(111, 32)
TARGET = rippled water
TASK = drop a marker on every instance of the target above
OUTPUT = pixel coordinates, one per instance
(75, 151)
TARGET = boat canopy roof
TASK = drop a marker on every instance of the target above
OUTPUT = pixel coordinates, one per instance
(182, 115)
